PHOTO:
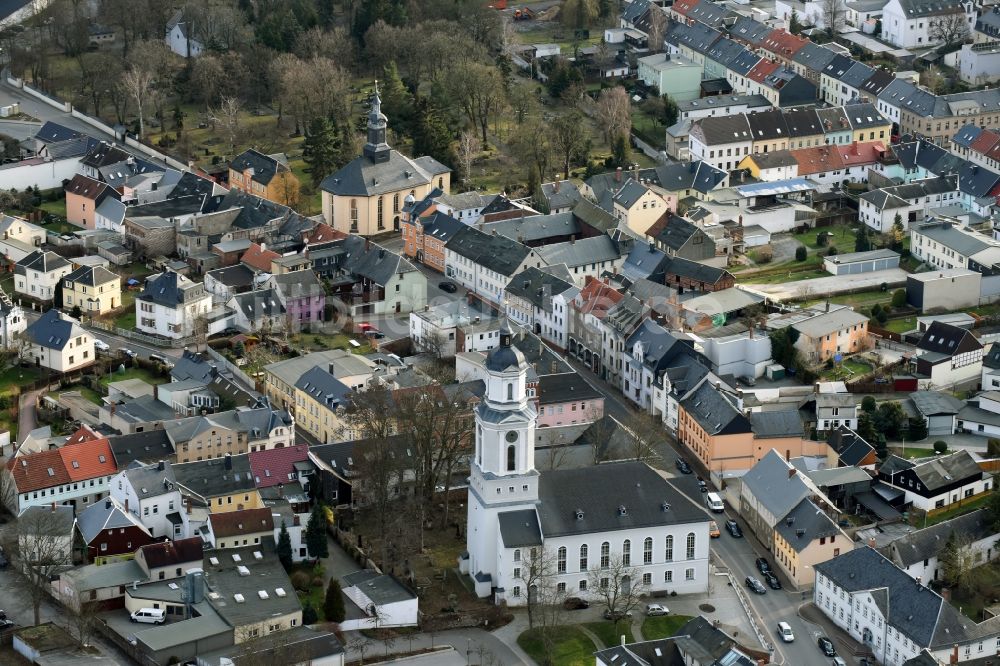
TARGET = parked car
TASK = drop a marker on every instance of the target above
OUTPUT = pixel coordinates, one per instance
(374, 334)
(365, 326)
(734, 529)
(682, 466)
(785, 631)
(162, 360)
(772, 580)
(826, 646)
(837, 661)
(762, 565)
(755, 585)
(101, 345)
(450, 287)
(656, 609)
(575, 603)
(713, 529)
(128, 352)
(702, 486)
(617, 615)
(149, 616)
(6, 624)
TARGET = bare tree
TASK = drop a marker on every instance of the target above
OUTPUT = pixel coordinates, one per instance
(617, 584)
(950, 28)
(537, 574)
(834, 15)
(477, 89)
(932, 78)
(568, 139)
(84, 618)
(959, 561)
(614, 113)
(227, 116)
(469, 147)
(138, 83)
(646, 432)
(657, 29)
(43, 549)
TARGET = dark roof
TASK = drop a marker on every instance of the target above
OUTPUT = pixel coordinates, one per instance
(766, 125)
(992, 358)
(878, 81)
(91, 276)
(930, 541)
(568, 504)
(260, 303)
(724, 51)
(145, 447)
(265, 167)
(104, 154)
(849, 445)
(237, 276)
(838, 66)
(51, 330)
(784, 423)
(497, 253)
(363, 177)
(191, 184)
(364, 259)
(863, 116)
(565, 387)
(946, 339)
(921, 8)
(169, 289)
(323, 387)
(537, 287)
(673, 232)
(805, 523)
(441, 226)
(41, 261)
(173, 552)
(744, 62)
(814, 57)
(561, 194)
(748, 30)
(857, 74)
(947, 470)
(51, 132)
(714, 411)
(533, 227)
(914, 610)
(802, 123)
(519, 528)
(696, 271)
(723, 129)
(216, 476)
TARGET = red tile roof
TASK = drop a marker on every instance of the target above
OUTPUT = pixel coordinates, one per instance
(35, 471)
(682, 7)
(986, 140)
(783, 43)
(817, 159)
(83, 434)
(165, 554)
(322, 233)
(597, 298)
(271, 468)
(248, 521)
(762, 70)
(85, 187)
(259, 258)
(88, 460)
(867, 152)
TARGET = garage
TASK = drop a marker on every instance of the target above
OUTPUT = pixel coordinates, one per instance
(855, 263)
(939, 410)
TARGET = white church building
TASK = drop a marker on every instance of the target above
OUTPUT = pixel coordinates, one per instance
(583, 519)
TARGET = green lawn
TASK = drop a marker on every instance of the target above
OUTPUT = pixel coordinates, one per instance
(841, 237)
(571, 647)
(134, 373)
(663, 626)
(960, 509)
(316, 342)
(57, 207)
(901, 325)
(848, 369)
(917, 452)
(126, 319)
(88, 393)
(609, 635)
(15, 376)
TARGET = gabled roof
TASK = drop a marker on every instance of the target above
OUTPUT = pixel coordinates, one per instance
(217, 476)
(35, 471)
(272, 467)
(364, 178)
(673, 232)
(171, 290)
(878, 81)
(259, 258)
(931, 541)
(53, 330)
(144, 447)
(88, 460)
(767, 125)
(51, 132)
(169, 553)
(42, 262)
(497, 253)
(777, 485)
(595, 249)
(537, 286)
(236, 523)
(743, 63)
(803, 122)
(715, 411)
(263, 167)
(105, 515)
(776, 424)
(104, 154)
(864, 116)
(762, 70)
(850, 447)
(804, 524)
(922, 8)
(783, 43)
(947, 470)
(814, 57)
(829, 322)
(596, 298)
(92, 276)
(565, 387)
(694, 270)
(946, 339)
(748, 30)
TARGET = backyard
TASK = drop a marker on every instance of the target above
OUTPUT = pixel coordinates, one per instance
(571, 647)
(846, 370)
(133, 373)
(983, 594)
(663, 626)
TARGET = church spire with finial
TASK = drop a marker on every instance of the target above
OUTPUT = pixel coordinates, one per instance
(376, 149)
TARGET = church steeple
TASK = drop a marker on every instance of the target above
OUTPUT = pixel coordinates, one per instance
(376, 149)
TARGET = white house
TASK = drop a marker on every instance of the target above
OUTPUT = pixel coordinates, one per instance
(484, 264)
(539, 300)
(943, 245)
(948, 355)
(384, 600)
(38, 274)
(936, 482)
(451, 327)
(170, 305)
(151, 495)
(722, 141)
(517, 514)
(911, 201)
(918, 553)
(12, 323)
(180, 38)
(57, 341)
(910, 23)
(866, 595)
(740, 353)
(46, 533)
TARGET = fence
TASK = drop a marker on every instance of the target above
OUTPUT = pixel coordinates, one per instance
(231, 367)
(150, 340)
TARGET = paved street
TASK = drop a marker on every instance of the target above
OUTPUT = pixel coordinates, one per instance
(117, 342)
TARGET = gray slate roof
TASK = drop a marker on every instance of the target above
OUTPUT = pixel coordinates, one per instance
(496, 253)
(364, 178)
(52, 331)
(595, 249)
(772, 484)
(565, 387)
(805, 523)
(537, 287)
(106, 515)
(519, 528)
(784, 423)
(929, 542)
(648, 500)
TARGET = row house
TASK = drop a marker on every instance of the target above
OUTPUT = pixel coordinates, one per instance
(978, 145)
(585, 314)
(540, 302)
(150, 496)
(366, 277)
(425, 232)
(484, 264)
(910, 202)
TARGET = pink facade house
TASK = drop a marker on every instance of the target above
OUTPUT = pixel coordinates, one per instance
(567, 399)
(303, 296)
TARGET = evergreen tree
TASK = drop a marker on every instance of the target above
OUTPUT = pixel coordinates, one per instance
(669, 110)
(284, 547)
(316, 542)
(916, 429)
(861, 241)
(794, 25)
(333, 605)
(897, 234)
(621, 152)
(309, 614)
(319, 150)
(431, 135)
(534, 182)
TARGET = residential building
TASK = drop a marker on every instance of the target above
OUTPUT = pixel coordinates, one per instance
(149, 494)
(108, 529)
(935, 483)
(911, 23)
(920, 552)
(721, 141)
(540, 301)
(367, 278)
(265, 176)
(639, 206)
(832, 333)
(83, 196)
(171, 305)
(239, 529)
(567, 399)
(219, 484)
(910, 202)
(805, 537)
(94, 289)
(673, 75)
(513, 507)
(365, 196)
(586, 310)
(848, 449)
(426, 230)
(353, 370)
(948, 355)
(697, 640)
(875, 602)
(46, 535)
(320, 401)
(38, 274)
(945, 246)
(484, 264)
(57, 341)
(180, 38)
(712, 426)
(676, 236)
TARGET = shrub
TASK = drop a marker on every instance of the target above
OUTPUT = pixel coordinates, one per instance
(309, 614)
(884, 286)
(832, 252)
(940, 446)
(764, 256)
(317, 581)
(801, 253)
(899, 298)
(333, 605)
(822, 239)
(300, 581)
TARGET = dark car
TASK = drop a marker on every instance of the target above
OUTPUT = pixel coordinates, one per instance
(734, 528)
(617, 615)
(682, 466)
(702, 485)
(450, 287)
(6, 624)
(772, 581)
(755, 585)
(575, 603)
(826, 646)
(762, 565)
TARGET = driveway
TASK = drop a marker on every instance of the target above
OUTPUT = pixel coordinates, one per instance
(27, 414)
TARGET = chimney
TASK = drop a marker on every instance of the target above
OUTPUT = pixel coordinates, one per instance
(187, 505)
(107, 503)
(53, 507)
(229, 461)
(281, 490)
(156, 391)
(263, 247)
(816, 388)
(791, 472)
(555, 185)
(126, 505)
(828, 306)
(161, 466)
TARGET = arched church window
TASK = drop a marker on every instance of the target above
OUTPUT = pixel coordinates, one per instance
(517, 554)
(605, 555)
(395, 202)
(561, 559)
(510, 391)
(627, 553)
(511, 453)
(583, 557)
(381, 224)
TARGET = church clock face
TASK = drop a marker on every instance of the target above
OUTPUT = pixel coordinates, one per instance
(511, 436)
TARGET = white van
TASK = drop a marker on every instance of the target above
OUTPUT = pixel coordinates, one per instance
(714, 502)
(149, 616)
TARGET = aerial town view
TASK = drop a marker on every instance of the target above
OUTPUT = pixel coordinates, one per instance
(500, 333)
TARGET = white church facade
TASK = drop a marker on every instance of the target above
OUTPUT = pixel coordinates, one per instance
(581, 520)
